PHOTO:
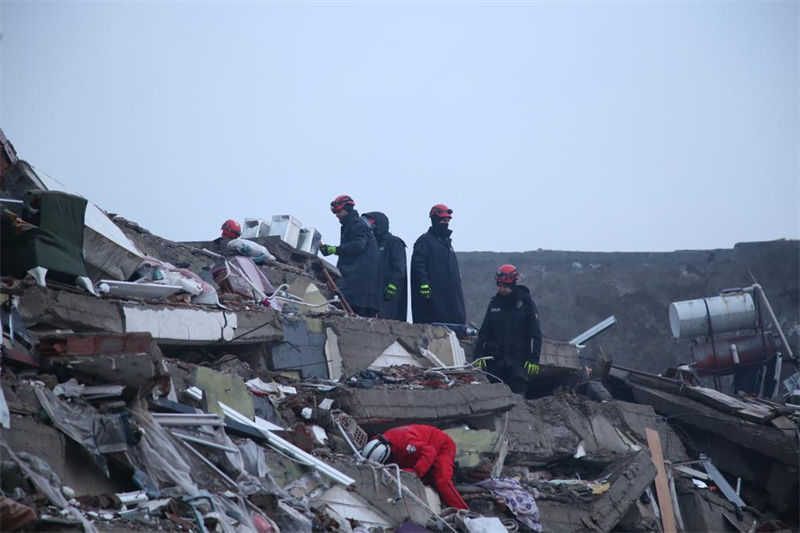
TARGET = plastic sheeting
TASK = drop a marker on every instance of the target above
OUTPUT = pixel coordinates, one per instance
(45, 480)
(157, 456)
(81, 422)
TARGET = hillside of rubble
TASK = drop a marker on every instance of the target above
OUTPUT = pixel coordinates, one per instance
(575, 290)
(156, 385)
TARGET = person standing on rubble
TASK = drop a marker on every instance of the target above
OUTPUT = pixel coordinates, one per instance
(435, 278)
(510, 333)
(358, 258)
(392, 261)
(427, 451)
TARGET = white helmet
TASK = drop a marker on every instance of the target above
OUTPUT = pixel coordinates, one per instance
(377, 450)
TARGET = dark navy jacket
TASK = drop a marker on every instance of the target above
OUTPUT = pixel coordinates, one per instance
(434, 262)
(392, 261)
(510, 331)
(358, 263)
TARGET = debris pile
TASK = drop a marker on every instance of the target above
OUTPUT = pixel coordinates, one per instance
(180, 387)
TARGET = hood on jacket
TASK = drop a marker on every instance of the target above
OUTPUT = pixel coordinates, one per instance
(381, 223)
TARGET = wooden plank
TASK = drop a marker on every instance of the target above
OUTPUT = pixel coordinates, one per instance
(662, 487)
(757, 414)
(784, 423)
(716, 399)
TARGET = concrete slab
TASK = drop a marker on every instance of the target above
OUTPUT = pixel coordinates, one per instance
(381, 493)
(180, 325)
(263, 325)
(409, 406)
(44, 307)
(396, 354)
(628, 479)
(361, 341)
(550, 428)
(332, 355)
(766, 440)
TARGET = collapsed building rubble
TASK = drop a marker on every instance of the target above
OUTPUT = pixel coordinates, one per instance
(146, 405)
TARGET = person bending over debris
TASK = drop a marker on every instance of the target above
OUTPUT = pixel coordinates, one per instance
(510, 333)
(232, 242)
(435, 279)
(392, 262)
(425, 450)
(358, 259)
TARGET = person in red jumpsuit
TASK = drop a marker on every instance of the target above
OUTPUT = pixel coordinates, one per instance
(425, 450)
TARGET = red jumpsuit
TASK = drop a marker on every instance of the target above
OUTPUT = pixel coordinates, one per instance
(430, 453)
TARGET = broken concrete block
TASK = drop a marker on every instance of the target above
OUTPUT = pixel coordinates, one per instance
(396, 354)
(68, 310)
(180, 325)
(551, 428)
(559, 354)
(766, 440)
(444, 344)
(628, 478)
(381, 492)
(332, 355)
(354, 507)
(363, 341)
(703, 510)
(264, 325)
(404, 406)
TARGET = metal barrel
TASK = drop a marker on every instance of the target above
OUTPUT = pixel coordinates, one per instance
(728, 312)
(728, 355)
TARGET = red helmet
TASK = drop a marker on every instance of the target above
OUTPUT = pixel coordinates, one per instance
(441, 211)
(342, 202)
(231, 229)
(506, 275)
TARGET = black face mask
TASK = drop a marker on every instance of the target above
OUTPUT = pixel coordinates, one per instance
(504, 297)
(439, 229)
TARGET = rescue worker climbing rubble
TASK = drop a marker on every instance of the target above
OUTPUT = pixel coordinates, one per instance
(436, 294)
(392, 262)
(510, 333)
(425, 450)
(358, 258)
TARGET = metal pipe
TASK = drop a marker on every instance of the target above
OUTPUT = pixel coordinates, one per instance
(211, 465)
(185, 419)
(210, 444)
(774, 319)
(274, 441)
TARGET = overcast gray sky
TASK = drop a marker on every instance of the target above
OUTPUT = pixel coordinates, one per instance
(595, 126)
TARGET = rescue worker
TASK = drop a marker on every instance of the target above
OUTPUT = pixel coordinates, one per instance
(231, 241)
(435, 279)
(392, 266)
(510, 333)
(425, 450)
(358, 258)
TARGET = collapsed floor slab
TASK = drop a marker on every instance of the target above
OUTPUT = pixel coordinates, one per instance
(628, 479)
(376, 407)
(552, 428)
